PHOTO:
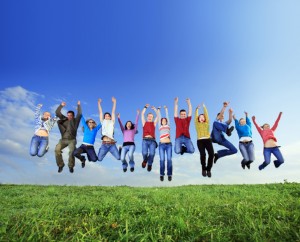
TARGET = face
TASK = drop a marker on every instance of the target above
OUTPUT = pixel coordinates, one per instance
(70, 116)
(46, 115)
(107, 116)
(150, 117)
(242, 121)
(164, 121)
(91, 123)
(220, 117)
(201, 118)
(266, 126)
(182, 114)
(128, 125)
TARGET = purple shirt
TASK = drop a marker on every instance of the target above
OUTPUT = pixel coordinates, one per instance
(128, 134)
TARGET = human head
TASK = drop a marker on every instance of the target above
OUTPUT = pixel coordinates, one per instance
(107, 116)
(182, 113)
(163, 121)
(70, 115)
(220, 116)
(242, 121)
(150, 117)
(46, 115)
(91, 123)
(265, 126)
(129, 125)
(201, 118)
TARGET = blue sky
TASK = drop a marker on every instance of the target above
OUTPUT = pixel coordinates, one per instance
(245, 52)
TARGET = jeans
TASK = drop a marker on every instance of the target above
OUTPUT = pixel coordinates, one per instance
(230, 148)
(112, 148)
(38, 145)
(206, 144)
(182, 140)
(276, 152)
(130, 150)
(165, 148)
(89, 150)
(63, 143)
(148, 150)
(247, 151)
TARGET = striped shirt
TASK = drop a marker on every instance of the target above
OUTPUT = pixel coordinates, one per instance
(40, 124)
(164, 130)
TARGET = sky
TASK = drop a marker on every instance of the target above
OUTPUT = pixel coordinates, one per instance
(148, 52)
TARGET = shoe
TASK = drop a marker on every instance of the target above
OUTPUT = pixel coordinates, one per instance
(229, 130)
(132, 169)
(208, 174)
(262, 166)
(243, 165)
(162, 178)
(183, 150)
(144, 163)
(169, 178)
(203, 172)
(277, 163)
(60, 169)
(124, 169)
(71, 169)
(149, 168)
(216, 157)
(83, 164)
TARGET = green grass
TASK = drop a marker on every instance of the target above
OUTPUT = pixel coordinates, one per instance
(187, 213)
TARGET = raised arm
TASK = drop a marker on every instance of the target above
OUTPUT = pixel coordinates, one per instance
(189, 107)
(256, 125)
(197, 114)
(37, 113)
(58, 111)
(137, 119)
(167, 114)
(113, 115)
(176, 107)
(156, 118)
(100, 110)
(225, 104)
(159, 116)
(143, 114)
(276, 122)
(120, 123)
(230, 116)
(79, 111)
(248, 122)
(205, 114)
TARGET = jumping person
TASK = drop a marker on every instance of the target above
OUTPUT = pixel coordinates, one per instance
(129, 131)
(220, 127)
(108, 124)
(165, 145)
(270, 143)
(183, 143)
(68, 128)
(43, 124)
(149, 143)
(204, 141)
(246, 146)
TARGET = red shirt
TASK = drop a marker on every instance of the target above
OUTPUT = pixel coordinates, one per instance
(182, 126)
(149, 129)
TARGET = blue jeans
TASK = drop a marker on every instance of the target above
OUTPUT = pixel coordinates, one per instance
(165, 148)
(148, 150)
(230, 148)
(112, 148)
(130, 150)
(38, 145)
(182, 140)
(247, 151)
(89, 150)
(276, 152)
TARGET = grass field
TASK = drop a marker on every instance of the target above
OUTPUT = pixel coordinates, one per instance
(188, 213)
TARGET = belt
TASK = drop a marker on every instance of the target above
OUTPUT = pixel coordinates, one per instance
(109, 142)
(246, 142)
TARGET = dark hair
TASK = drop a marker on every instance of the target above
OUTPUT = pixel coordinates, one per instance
(200, 115)
(106, 113)
(72, 112)
(162, 120)
(132, 125)
(182, 110)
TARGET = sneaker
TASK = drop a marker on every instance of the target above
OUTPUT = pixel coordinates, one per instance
(216, 157)
(208, 174)
(83, 164)
(169, 178)
(124, 169)
(144, 163)
(149, 168)
(243, 165)
(262, 166)
(203, 172)
(183, 150)
(229, 130)
(60, 168)
(71, 169)
(161, 178)
(132, 169)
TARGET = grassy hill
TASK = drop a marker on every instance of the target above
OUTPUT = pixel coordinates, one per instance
(188, 213)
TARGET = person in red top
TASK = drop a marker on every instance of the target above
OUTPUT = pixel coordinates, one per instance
(149, 143)
(270, 143)
(183, 143)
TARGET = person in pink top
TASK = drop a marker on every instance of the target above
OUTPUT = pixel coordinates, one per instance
(270, 143)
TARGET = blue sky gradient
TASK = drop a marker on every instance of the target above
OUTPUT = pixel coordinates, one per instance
(245, 52)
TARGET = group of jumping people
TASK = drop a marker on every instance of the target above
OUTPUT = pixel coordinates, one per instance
(68, 126)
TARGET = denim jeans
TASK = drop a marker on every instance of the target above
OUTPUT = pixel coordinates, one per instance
(229, 151)
(276, 152)
(206, 144)
(63, 143)
(247, 151)
(148, 150)
(88, 149)
(165, 148)
(130, 150)
(112, 148)
(182, 140)
(38, 145)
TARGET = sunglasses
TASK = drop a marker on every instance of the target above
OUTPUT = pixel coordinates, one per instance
(91, 122)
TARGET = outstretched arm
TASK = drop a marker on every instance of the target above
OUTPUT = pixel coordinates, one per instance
(197, 114)
(143, 114)
(189, 107)
(137, 119)
(167, 114)
(100, 110)
(113, 115)
(225, 104)
(58, 110)
(276, 122)
(156, 118)
(79, 111)
(230, 116)
(159, 116)
(120, 123)
(205, 114)
(176, 107)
